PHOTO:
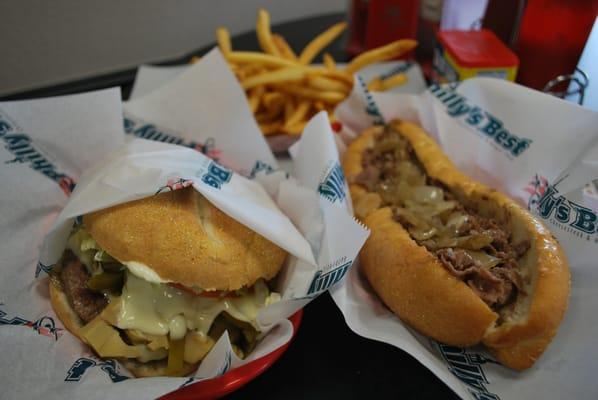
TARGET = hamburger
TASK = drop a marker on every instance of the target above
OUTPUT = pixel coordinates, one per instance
(155, 282)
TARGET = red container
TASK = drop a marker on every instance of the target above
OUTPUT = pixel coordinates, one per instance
(551, 38)
(375, 23)
(461, 55)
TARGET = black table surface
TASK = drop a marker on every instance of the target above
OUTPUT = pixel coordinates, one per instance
(326, 359)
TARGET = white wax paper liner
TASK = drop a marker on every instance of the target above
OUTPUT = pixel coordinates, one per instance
(221, 127)
(205, 108)
(541, 151)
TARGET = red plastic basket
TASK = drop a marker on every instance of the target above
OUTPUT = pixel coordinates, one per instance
(234, 379)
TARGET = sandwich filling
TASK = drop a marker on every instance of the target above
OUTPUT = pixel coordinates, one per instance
(476, 249)
(147, 318)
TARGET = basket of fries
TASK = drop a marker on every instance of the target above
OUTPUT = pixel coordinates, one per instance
(285, 88)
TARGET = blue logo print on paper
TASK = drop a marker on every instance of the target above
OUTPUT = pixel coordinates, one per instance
(259, 167)
(83, 364)
(399, 69)
(322, 282)
(44, 326)
(568, 215)
(21, 146)
(371, 106)
(333, 187)
(484, 123)
(467, 367)
(228, 360)
(42, 267)
(143, 130)
(216, 175)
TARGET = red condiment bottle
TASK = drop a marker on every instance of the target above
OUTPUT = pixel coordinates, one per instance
(551, 38)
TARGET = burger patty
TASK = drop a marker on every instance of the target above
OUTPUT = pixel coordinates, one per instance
(74, 276)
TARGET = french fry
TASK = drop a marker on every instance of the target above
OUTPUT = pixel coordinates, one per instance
(255, 96)
(264, 34)
(246, 71)
(323, 83)
(319, 42)
(295, 129)
(268, 60)
(336, 74)
(283, 48)
(381, 85)
(375, 84)
(263, 116)
(223, 38)
(273, 100)
(284, 91)
(325, 96)
(329, 61)
(269, 128)
(279, 75)
(383, 53)
(299, 114)
(289, 107)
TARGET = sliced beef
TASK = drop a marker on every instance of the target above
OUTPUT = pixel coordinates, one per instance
(86, 303)
(369, 177)
(521, 248)
(457, 261)
(492, 290)
(496, 286)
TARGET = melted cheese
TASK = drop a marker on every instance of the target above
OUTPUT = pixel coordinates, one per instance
(160, 309)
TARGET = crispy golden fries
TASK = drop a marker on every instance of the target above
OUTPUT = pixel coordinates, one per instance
(223, 37)
(329, 61)
(319, 42)
(284, 91)
(264, 34)
(379, 85)
(281, 75)
(390, 51)
(254, 96)
(323, 83)
(283, 47)
(266, 60)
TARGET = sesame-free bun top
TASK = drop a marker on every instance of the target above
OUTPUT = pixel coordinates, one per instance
(183, 238)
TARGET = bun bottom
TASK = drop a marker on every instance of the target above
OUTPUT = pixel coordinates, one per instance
(73, 324)
(412, 283)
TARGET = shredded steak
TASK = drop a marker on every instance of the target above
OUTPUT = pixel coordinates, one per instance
(497, 286)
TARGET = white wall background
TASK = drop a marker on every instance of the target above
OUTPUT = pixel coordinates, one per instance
(48, 42)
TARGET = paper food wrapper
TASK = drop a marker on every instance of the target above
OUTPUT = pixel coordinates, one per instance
(150, 78)
(194, 131)
(540, 150)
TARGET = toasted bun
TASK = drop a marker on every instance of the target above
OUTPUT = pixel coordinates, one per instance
(183, 238)
(415, 285)
(73, 323)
